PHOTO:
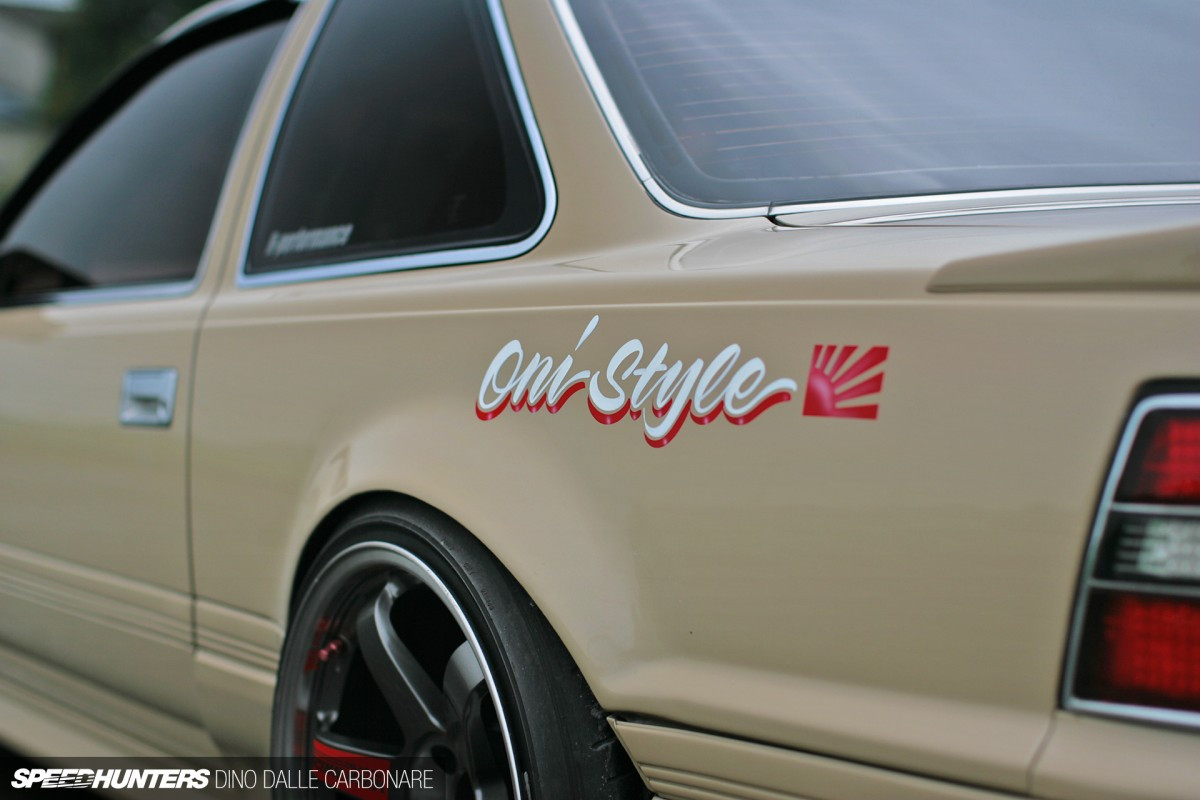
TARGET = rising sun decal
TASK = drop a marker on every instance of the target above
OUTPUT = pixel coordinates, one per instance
(837, 377)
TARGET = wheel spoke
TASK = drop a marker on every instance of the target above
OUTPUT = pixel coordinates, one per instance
(331, 748)
(495, 788)
(340, 760)
(335, 757)
(468, 696)
(492, 789)
(413, 698)
(463, 677)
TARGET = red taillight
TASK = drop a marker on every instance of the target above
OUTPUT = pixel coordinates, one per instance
(1165, 466)
(1136, 642)
(1142, 650)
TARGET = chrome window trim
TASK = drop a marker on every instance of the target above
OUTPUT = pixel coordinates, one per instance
(205, 14)
(113, 294)
(1188, 719)
(932, 207)
(844, 211)
(420, 260)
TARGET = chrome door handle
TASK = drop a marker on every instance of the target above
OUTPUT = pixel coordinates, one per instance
(148, 397)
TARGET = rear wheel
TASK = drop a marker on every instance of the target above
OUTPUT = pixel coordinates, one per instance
(410, 641)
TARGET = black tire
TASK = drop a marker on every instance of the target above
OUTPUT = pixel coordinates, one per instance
(410, 640)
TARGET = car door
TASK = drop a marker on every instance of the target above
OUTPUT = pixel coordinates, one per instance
(106, 266)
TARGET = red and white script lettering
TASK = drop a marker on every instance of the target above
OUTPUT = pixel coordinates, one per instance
(637, 383)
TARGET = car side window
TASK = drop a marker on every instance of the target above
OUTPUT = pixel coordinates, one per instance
(132, 205)
(403, 136)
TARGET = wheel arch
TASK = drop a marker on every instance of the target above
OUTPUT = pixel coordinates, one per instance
(326, 527)
(557, 525)
(348, 527)
(504, 538)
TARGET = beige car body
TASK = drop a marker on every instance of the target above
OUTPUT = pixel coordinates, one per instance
(800, 607)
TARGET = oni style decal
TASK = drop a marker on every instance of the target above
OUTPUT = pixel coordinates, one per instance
(833, 381)
(646, 385)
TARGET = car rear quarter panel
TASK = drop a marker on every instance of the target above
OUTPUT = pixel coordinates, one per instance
(893, 591)
(877, 588)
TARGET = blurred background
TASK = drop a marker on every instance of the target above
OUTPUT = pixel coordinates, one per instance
(54, 54)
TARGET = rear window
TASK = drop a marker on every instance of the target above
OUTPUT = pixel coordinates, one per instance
(759, 102)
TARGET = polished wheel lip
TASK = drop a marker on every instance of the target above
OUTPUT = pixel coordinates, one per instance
(430, 578)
